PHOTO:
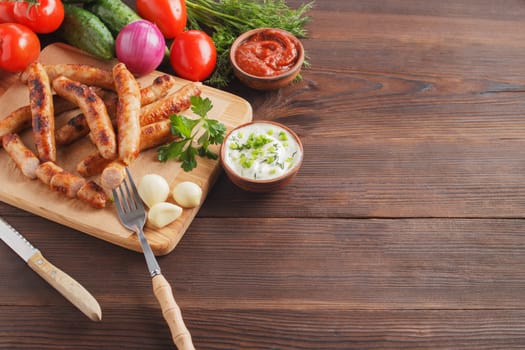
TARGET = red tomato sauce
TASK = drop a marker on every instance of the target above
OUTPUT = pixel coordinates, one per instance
(267, 53)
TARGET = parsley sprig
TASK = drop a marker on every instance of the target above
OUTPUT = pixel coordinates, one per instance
(194, 136)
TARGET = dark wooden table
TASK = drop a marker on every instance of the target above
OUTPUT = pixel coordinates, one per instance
(403, 229)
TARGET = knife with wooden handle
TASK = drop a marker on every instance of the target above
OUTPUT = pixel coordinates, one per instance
(62, 282)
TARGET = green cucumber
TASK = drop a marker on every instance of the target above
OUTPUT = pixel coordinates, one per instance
(86, 31)
(114, 13)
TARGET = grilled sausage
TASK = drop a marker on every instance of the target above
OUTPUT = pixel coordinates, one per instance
(67, 183)
(113, 174)
(151, 136)
(173, 103)
(158, 89)
(95, 112)
(128, 110)
(62, 105)
(77, 127)
(46, 171)
(83, 73)
(110, 99)
(42, 111)
(16, 121)
(93, 164)
(155, 134)
(93, 194)
(20, 119)
(24, 158)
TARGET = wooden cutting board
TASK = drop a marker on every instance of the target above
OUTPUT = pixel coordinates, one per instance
(37, 198)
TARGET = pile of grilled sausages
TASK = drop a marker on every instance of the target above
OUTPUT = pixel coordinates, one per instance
(120, 118)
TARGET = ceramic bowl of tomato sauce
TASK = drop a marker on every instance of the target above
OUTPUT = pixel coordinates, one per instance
(266, 58)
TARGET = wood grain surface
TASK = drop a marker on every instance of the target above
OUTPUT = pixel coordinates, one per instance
(403, 229)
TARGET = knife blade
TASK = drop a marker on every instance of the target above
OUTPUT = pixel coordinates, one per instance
(58, 279)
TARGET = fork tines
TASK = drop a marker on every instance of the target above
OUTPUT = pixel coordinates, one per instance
(127, 198)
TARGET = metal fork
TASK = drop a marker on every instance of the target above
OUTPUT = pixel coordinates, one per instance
(132, 215)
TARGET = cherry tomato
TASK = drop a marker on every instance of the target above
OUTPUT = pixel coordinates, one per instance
(44, 17)
(193, 55)
(169, 15)
(6, 11)
(19, 46)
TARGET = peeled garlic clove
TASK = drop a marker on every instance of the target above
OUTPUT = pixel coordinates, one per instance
(163, 213)
(153, 189)
(187, 194)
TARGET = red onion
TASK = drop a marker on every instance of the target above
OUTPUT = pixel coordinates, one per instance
(140, 46)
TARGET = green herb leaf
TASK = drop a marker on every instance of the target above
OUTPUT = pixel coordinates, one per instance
(205, 152)
(215, 129)
(200, 106)
(186, 148)
(182, 126)
(171, 150)
(187, 157)
(203, 139)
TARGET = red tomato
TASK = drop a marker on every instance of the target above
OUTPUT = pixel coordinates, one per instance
(44, 17)
(169, 15)
(19, 46)
(193, 55)
(6, 11)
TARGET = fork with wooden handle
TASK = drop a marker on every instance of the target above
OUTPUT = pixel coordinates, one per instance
(132, 215)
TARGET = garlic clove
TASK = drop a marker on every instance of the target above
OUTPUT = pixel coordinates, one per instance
(153, 189)
(187, 194)
(163, 213)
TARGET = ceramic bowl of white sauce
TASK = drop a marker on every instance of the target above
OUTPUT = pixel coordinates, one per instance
(261, 156)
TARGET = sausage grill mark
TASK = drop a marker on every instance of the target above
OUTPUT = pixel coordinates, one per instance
(104, 138)
(90, 96)
(78, 90)
(36, 92)
(78, 122)
(39, 123)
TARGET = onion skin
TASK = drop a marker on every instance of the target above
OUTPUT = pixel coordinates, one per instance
(141, 46)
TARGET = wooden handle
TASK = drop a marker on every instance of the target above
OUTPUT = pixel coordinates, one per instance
(172, 314)
(67, 286)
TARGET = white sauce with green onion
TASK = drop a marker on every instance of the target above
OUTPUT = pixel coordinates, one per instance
(261, 151)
